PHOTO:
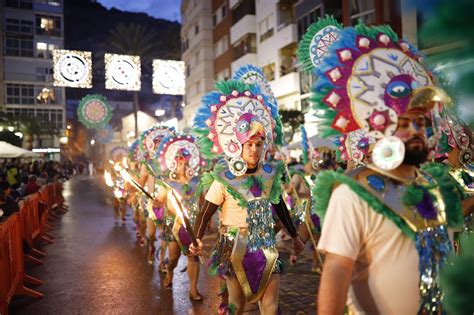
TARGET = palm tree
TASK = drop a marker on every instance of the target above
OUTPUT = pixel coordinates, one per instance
(138, 40)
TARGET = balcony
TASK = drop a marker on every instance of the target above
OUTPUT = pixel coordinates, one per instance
(249, 58)
(287, 84)
(245, 25)
(243, 8)
(246, 45)
(287, 34)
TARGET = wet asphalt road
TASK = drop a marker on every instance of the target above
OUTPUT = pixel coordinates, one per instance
(97, 266)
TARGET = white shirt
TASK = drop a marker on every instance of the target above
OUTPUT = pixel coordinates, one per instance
(386, 276)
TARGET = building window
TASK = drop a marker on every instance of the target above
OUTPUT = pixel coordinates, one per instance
(44, 74)
(19, 26)
(20, 94)
(19, 45)
(19, 4)
(269, 71)
(288, 59)
(45, 50)
(50, 118)
(196, 29)
(221, 46)
(245, 7)
(48, 25)
(247, 45)
(55, 3)
(224, 11)
(285, 15)
(363, 10)
(305, 21)
(223, 75)
(265, 29)
(214, 20)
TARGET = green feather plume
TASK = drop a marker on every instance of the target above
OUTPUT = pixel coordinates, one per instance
(449, 192)
(305, 44)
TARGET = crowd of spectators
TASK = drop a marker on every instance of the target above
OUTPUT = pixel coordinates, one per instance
(19, 179)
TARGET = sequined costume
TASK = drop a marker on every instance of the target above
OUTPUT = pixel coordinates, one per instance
(366, 78)
(228, 118)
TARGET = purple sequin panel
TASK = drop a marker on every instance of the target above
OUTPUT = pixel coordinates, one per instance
(184, 237)
(159, 213)
(426, 208)
(254, 265)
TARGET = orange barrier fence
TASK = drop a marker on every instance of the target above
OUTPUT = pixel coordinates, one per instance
(12, 266)
(29, 224)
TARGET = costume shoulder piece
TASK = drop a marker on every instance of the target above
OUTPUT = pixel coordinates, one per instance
(414, 207)
(265, 183)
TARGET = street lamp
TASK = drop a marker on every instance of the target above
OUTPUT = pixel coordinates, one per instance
(92, 142)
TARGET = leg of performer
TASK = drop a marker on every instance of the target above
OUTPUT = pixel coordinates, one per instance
(151, 230)
(236, 295)
(136, 220)
(123, 209)
(174, 252)
(143, 226)
(116, 203)
(193, 274)
(164, 245)
(269, 301)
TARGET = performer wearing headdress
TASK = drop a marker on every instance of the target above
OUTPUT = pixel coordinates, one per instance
(181, 164)
(384, 226)
(116, 182)
(238, 122)
(135, 196)
(150, 178)
(457, 144)
(299, 199)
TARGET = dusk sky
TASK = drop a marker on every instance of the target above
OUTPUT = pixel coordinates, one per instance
(164, 9)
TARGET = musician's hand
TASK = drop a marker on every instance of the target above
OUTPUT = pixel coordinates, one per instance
(298, 245)
(196, 251)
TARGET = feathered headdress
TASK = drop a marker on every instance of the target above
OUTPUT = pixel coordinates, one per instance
(177, 147)
(365, 79)
(229, 116)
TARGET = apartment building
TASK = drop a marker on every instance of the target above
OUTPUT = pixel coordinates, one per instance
(223, 50)
(32, 29)
(197, 49)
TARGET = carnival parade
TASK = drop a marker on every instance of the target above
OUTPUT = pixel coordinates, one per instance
(226, 199)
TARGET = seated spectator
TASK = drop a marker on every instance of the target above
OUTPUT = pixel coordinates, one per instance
(22, 189)
(43, 179)
(32, 186)
(7, 203)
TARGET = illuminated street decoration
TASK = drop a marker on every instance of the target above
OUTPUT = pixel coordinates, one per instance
(168, 77)
(122, 72)
(105, 135)
(72, 68)
(94, 111)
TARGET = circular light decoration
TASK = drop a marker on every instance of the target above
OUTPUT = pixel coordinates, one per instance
(122, 72)
(168, 77)
(104, 135)
(117, 153)
(94, 112)
(72, 68)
